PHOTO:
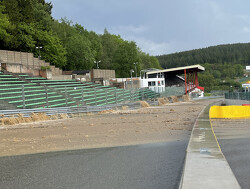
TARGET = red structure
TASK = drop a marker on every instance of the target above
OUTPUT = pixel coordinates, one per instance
(191, 77)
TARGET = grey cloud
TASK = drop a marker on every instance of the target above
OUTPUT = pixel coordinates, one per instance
(163, 26)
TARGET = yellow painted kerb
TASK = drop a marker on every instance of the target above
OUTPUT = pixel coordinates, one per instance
(230, 112)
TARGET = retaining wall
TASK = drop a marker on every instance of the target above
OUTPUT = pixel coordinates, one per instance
(22, 62)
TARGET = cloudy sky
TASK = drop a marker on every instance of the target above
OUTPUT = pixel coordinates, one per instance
(163, 26)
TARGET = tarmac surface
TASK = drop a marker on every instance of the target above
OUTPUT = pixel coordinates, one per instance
(234, 140)
(147, 166)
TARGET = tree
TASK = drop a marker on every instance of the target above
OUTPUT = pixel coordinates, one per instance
(109, 47)
(19, 10)
(79, 54)
(206, 80)
(53, 50)
(148, 61)
(5, 27)
(124, 58)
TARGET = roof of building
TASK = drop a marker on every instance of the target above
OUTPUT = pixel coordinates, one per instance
(179, 70)
(80, 72)
(150, 69)
(201, 88)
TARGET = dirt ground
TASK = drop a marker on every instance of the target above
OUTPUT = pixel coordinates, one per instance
(146, 125)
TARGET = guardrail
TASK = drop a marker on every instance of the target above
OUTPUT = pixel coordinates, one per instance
(66, 110)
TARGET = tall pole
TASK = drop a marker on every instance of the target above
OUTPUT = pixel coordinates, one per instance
(131, 72)
(135, 68)
(39, 57)
(97, 64)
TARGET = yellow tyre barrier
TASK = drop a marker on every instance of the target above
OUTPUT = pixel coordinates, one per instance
(230, 112)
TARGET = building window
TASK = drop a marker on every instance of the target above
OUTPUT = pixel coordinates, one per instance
(151, 83)
(162, 82)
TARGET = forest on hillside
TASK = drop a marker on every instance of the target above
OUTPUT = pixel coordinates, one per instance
(224, 64)
(27, 24)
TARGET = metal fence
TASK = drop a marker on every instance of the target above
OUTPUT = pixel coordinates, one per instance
(28, 96)
(170, 91)
(218, 92)
(238, 95)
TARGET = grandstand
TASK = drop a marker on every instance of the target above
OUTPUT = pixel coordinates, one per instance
(22, 91)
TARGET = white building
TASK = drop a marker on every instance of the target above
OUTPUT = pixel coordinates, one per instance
(155, 82)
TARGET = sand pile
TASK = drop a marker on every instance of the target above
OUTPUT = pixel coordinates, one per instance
(34, 117)
(144, 104)
(174, 98)
(162, 101)
(124, 107)
(186, 98)
(105, 111)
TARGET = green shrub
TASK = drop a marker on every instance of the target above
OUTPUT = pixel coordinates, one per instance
(44, 68)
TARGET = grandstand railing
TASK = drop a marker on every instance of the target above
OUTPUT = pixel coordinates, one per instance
(29, 96)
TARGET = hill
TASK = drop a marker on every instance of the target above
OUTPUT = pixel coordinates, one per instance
(238, 53)
(223, 63)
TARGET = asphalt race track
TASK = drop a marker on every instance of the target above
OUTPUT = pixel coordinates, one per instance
(234, 139)
(237, 153)
(147, 166)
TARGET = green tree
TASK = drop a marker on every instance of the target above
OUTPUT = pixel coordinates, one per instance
(148, 61)
(207, 81)
(5, 28)
(109, 47)
(79, 54)
(124, 58)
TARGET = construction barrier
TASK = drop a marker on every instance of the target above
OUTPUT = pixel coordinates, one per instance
(230, 112)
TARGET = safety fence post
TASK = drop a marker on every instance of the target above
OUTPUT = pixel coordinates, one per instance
(123, 94)
(95, 97)
(106, 91)
(116, 95)
(47, 97)
(82, 97)
(142, 92)
(130, 95)
(66, 95)
(23, 96)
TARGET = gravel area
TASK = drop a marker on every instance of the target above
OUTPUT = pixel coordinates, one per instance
(170, 122)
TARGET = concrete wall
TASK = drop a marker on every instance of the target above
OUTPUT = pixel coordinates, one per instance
(126, 82)
(105, 74)
(22, 62)
(61, 77)
(19, 68)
